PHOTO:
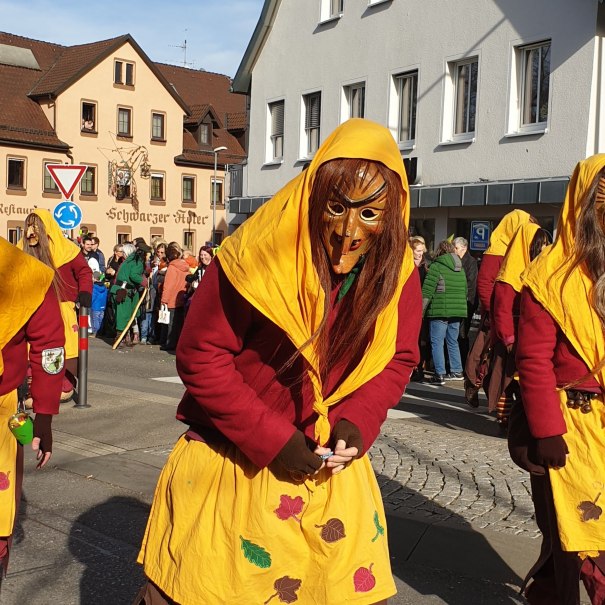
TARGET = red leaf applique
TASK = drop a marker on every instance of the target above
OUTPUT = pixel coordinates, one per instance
(75, 327)
(289, 507)
(286, 588)
(364, 580)
(333, 530)
(4, 481)
(589, 510)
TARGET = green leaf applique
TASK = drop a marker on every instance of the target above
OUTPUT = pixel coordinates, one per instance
(379, 528)
(256, 554)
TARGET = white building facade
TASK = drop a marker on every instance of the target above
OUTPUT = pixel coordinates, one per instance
(492, 102)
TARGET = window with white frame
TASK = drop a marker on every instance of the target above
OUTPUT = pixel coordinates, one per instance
(188, 189)
(355, 100)
(14, 234)
(89, 116)
(406, 94)
(189, 240)
(157, 186)
(123, 73)
(88, 183)
(276, 119)
(216, 192)
(312, 121)
(15, 174)
(331, 9)
(534, 63)
(157, 126)
(49, 183)
(124, 122)
(465, 75)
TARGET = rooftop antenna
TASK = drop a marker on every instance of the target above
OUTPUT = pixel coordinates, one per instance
(183, 47)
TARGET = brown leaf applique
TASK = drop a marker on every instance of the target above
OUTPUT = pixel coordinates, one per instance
(289, 507)
(333, 530)
(286, 588)
(590, 511)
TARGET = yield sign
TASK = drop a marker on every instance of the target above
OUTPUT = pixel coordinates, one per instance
(67, 177)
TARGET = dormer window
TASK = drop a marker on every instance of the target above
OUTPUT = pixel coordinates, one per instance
(123, 73)
(204, 134)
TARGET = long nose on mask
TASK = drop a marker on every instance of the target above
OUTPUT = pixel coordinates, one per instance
(31, 232)
(349, 235)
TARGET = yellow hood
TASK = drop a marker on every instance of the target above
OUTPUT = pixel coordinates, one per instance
(268, 261)
(517, 256)
(62, 250)
(504, 232)
(569, 302)
(24, 283)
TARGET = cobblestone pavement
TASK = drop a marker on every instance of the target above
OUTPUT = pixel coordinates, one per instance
(454, 476)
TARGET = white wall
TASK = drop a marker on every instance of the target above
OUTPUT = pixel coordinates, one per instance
(371, 43)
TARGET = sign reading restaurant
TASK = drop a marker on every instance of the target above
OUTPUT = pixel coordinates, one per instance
(184, 217)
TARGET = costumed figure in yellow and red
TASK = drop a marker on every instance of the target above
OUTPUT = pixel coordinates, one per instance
(477, 363)
(561, 363)
(301, 336)
(44, 240)
(30, 318)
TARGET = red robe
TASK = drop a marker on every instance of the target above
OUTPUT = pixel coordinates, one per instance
(486, 278)
(228, 356)
(77, 277)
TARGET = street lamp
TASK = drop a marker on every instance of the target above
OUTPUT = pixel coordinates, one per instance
(215, 151)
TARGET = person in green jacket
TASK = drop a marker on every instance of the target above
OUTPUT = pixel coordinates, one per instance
(124, 294)
(444, 304)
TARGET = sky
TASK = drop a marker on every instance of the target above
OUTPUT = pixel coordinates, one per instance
(217, 31)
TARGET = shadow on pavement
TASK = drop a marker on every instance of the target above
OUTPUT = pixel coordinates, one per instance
(436, 552)
(111, 574)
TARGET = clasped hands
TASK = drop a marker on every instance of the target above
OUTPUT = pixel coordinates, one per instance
(298, 458)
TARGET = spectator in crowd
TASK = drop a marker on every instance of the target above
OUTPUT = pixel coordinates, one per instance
(560, 357)
(44, 240)
(471, 268)
(204, 259)
(114, 264)
(87, 250)
(124, 294)
(173, 295)
(444, 303)
(420, 261)
(190, 259)
(99, 253)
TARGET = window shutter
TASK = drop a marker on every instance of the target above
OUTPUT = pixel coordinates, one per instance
(277, 118)
(313, 111)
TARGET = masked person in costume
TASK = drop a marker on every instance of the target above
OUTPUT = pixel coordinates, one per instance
(561, 363)
(525, 246)
(477, 363)
(30, 318)
(43, 239)
(285, 361)
(124, 294)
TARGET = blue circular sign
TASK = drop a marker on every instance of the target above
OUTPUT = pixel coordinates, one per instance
(68, 215)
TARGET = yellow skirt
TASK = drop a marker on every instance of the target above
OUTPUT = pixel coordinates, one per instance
(70, 325)
(8, 465)
(579, 487)
(222, 531)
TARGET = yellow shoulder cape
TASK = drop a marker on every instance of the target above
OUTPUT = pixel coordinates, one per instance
(24, 282)
(569, 303)
(268, 261)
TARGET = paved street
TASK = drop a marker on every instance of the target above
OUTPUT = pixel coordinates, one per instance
(459, 513)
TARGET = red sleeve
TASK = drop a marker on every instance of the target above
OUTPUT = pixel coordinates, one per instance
(214, 333)
(367, 407)
(503, 315)
(46, 338)
(536, 343)
(82, 273)
(490, 267)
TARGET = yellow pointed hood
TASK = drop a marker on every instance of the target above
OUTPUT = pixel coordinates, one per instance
(268, 261)
(504, 232)
(569, 301)
(62, 250)
(517, 256)
(24, 282)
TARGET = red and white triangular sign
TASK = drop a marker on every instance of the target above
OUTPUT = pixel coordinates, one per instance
(67, 176)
